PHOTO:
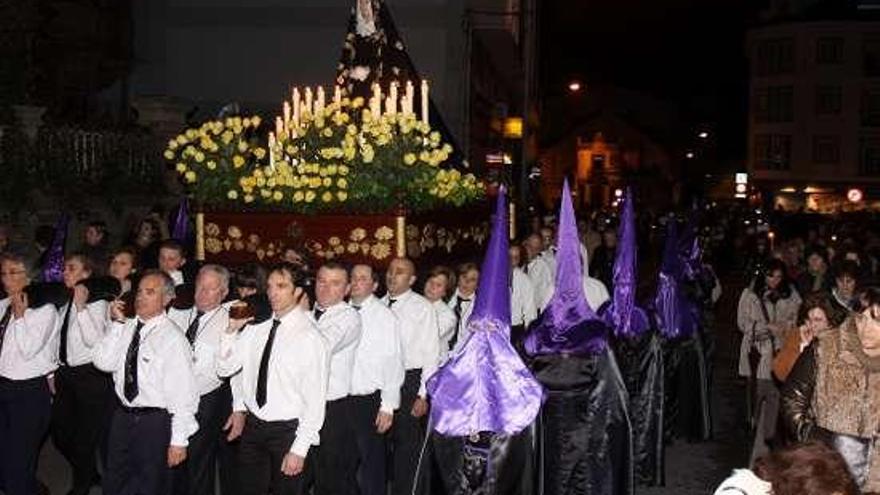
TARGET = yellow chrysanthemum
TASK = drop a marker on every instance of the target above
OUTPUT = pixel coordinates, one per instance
(237, 161)
(169, 155)
(200, 157)
(342, 183)
(327, 197)
(310, 196)
(181, 167)
(277, 195)
(211, 164)
(342, 195)
(190, 176)
(298, 196)
(409, 158)
(232, 194)
(259, 153)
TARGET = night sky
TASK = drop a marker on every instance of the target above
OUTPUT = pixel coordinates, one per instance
(690, 52)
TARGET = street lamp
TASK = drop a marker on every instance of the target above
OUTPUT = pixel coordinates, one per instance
(574, 86)
(689, 155)
(703, 135)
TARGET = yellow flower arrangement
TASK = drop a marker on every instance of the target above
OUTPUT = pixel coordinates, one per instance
(337, 158)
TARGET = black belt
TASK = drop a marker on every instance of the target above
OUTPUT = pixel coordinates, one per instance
(141, 411)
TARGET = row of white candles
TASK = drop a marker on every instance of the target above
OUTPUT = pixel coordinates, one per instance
(314, 102)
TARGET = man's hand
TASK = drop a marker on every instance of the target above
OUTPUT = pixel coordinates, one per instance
(235, 425)
(117, 310)
(384, 421)
(292, 465)
(176, 455)
(80, 296)
(19, 304)
(236, 324)
(420, 407)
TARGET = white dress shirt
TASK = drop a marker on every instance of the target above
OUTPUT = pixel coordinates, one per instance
(538, 271)
(522, 298)
(549, 257)
(466, 308)
(85, 329)
(447, 322)
(298, 370)
(206, 345)
(164, 375)
(378, 362)
(418, 332)
(27, 351)
(177, 277)
(341, 327)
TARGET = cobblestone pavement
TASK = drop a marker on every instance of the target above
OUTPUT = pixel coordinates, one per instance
(691, 468)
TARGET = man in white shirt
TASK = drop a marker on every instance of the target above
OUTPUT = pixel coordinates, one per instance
(25, 361)
(172, 260)
(522, 297)
(376, 380)
(340, 325)
(284, 364)
(421, 353)
(202, 325)
(151, 363)
(538, 270)
(440, 281)
(462, 302)
(548, 239)
(83, 394)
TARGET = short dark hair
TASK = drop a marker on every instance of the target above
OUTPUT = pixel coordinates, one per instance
(335, 265)
(174, 245)
(446, 272)
(129, 251)
(99, 225)
(821, 300)
(82, 258)
(848, 268)
(297, 276)
(806, 469)
(464, 268)
(870, 296)
(251, 275)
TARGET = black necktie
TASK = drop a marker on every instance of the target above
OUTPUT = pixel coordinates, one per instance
(4, 322)
(193, 328)
(318, 313)
(62, 337)
(391, 302)
(457, 310)
(264, 365)
(356, 306)
(130, 387)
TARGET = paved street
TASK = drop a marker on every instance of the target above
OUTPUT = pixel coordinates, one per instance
(691, 468)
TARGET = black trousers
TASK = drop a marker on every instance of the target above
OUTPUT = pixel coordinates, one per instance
(137, 452)
(263, 447)
(337, 457)
(407, 435)
(81, 412)
(371, 461)
(196, 476)
(25, 409)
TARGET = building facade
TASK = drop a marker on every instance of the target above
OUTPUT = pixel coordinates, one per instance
(814, 117)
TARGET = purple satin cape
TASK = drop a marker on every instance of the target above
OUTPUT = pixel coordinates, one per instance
(53, 267)
(485, 386)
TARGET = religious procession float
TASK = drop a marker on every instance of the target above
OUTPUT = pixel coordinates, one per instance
(363, 172)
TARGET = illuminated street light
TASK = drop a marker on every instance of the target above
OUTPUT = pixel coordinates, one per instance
(689, 155)
(574, 86)
(703, 135)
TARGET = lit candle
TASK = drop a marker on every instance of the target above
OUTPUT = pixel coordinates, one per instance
(272, 150)
(393, 99)
(409, 97)
(296, 109)
(279, 126)
(286, 113)
(319, 105)
(425, 101)
(309, 100)
(337, 95)
(389, 105)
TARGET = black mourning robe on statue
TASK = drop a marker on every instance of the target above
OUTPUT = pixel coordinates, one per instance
(640, 360)
(484, 464)
(688, 413)
(584, 434)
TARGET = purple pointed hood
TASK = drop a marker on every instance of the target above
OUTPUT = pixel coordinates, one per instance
(180, 232)
(568, 325)
(53, 266)
(485, 386)
(675, 315)
(690, 253)
(622, 315)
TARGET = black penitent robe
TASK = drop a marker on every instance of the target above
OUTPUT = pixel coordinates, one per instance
(688, 412)
(584, 434)
(641, 365)
(485, 464)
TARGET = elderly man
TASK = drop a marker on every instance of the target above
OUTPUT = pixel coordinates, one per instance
(340, 325)
(375, 383)
(539, 270)
(151, 363)
(202, 326)
(284, 371)
(421, 352)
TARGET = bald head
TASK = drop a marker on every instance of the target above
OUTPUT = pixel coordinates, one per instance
(400, 277)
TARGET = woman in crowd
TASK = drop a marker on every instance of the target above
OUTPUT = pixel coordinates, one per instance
(807, 469)
(846, 285)
(817, 276)
(818, 314)
(833, 392)
(123, 266)
(767, 309)
(440, 282)
(146, 239)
